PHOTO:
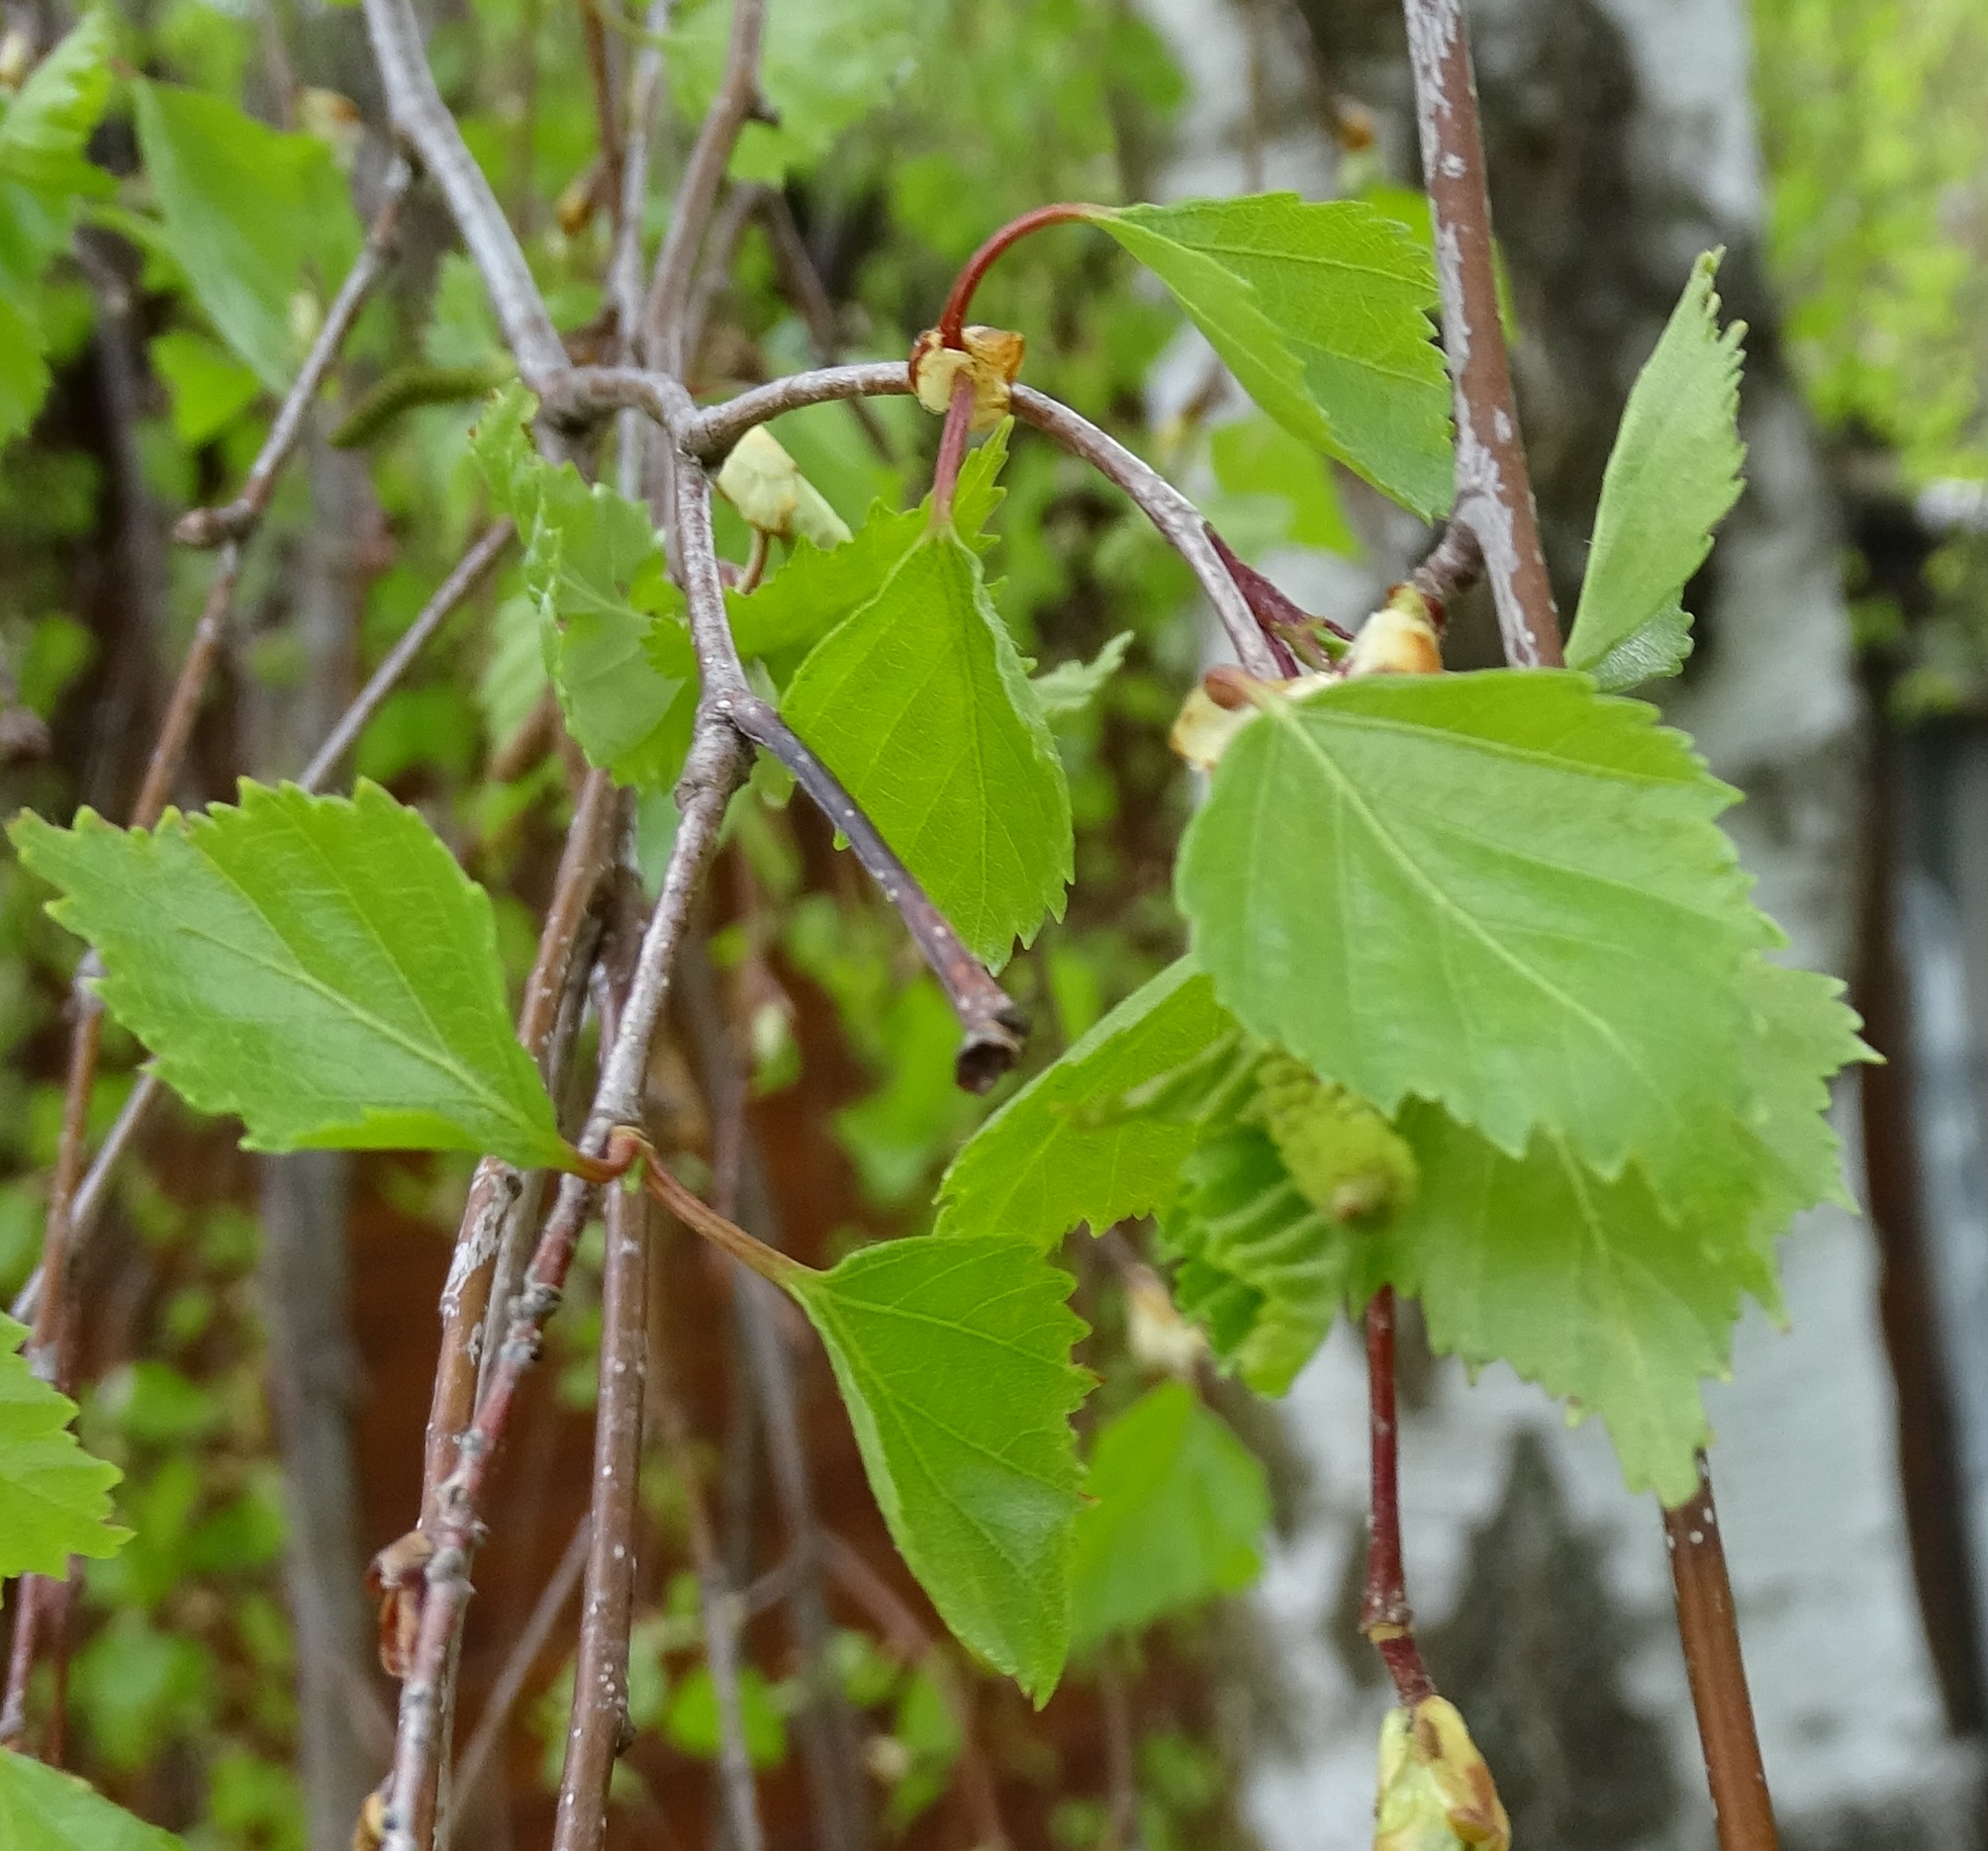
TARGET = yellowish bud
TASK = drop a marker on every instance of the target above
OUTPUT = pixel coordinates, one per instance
(766, 486)
(991, 357)
(1397, 639)
(1436, 1793)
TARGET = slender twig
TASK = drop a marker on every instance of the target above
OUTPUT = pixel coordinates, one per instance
(1710, 1631)
(235, 519)
(625, 265)
(1385, 1615)
(710, 434)
(517, 1662)
(423, 124)
(468, 571)
(722, 243)
(736, 103)
(829, 1737)
(1494, 492)
(1454, 564)
(1494, 497)
(600, 1729)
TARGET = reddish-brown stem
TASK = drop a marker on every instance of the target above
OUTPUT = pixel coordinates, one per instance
(701, 1218)
(1384, 1614)
(1710, 1632)
(953, 317)
(1494, 492)
(952, 449)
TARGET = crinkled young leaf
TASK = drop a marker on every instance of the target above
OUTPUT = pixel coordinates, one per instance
(1263, 1271)
(1671, 477)
(824, 68)
(55, 1498)
(41, 1809)
(615, 637)
(1180, 1507)
(920, 704)
(953, 1357)
(1583, 1286)
(1502, 892)
(1071, 1146)
(255, 217)
(820, 586)
(317, 967)
(1321, 310)
(1071, 687)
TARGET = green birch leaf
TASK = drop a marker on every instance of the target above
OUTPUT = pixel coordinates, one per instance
(41, 1809)
(1072, 1147)
(1583, 1286)
(613, 628)
(317, 967)
(1263, 1271)
(24, 371)
(1672, 475)
(919, 703)
(1321, 310)
(1257, 460)
(820, 586)
(55, 1498)
(260, 220)
(1180, 1507)
(1071, 687)
(953, 1358)
(1501, 891)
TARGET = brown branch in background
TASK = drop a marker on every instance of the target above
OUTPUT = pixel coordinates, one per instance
(737, 102)
(625, 263)
(600, 78)
(393, 665)
(1494, 496)
(829, 1740)
(1710, 1634)
(236, 519)
(1494, 492)
(723, 1617)
(524, 1654)
(601, 1730)
(914, 1645)
(1385, 1615)
(722, 243)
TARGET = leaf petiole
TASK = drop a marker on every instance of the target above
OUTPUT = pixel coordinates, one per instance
(953, 318)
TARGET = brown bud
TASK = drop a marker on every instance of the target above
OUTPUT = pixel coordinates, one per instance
(397, 1576)
(369, 1830)
(990, 356)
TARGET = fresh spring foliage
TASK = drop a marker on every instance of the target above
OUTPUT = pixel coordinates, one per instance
(54, 1497)
(317, 967)
(43, 1808)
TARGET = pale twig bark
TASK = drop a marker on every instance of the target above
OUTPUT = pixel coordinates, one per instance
(1494, 491)
(736, 103)
(600, 1729)
(524, 1654)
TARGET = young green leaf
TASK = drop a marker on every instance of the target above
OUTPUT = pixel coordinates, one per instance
(1179, 1512)
(41, 1809)
(1321, 313)
(317, 967)
(255, 217)
(1261, 1270)
(820, 586)
(1672, 475)
(614, 627)
(1071, 1146)
(953, 1357)
(1501, 891)
(1583, 1286)
(919, 703)
(1071, 687)
(1259, 463)
(55, 1498)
